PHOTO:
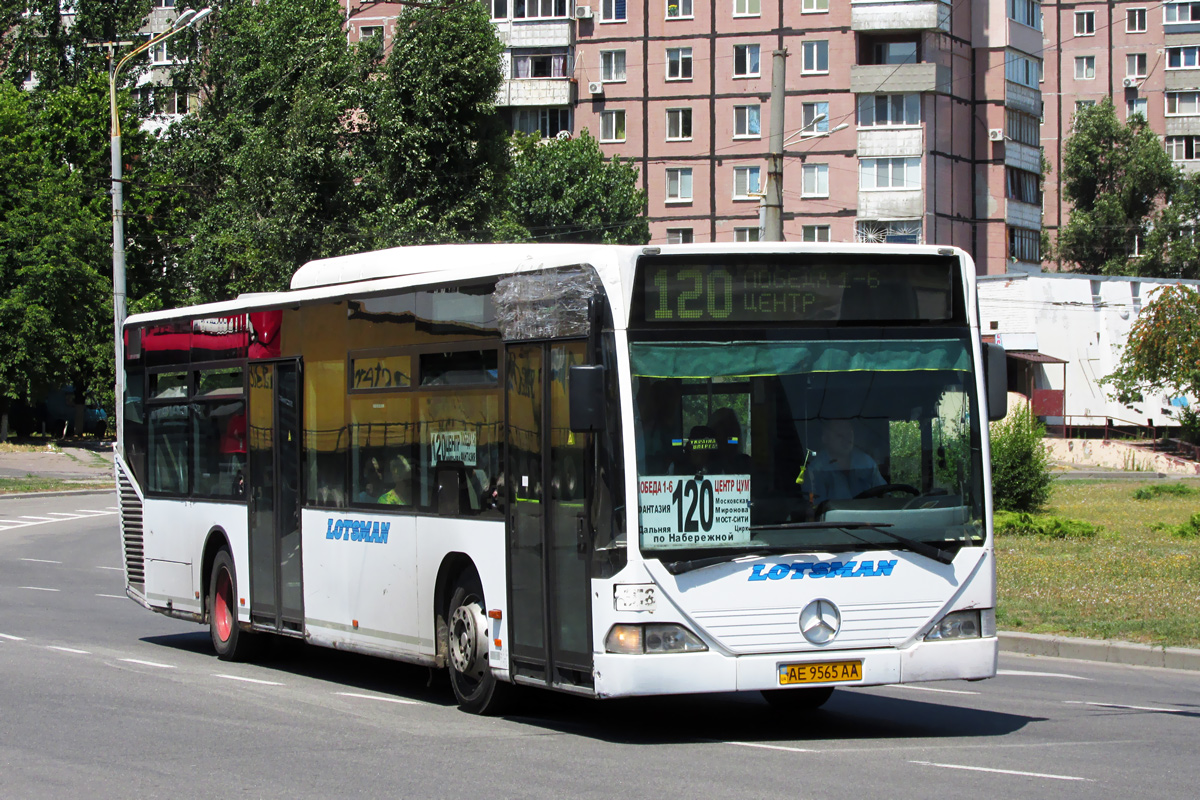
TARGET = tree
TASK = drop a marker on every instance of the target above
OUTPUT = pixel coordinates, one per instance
(1020, 462)
(1162, 352)
(1115, 177)
(564, 190)
(1171, 249)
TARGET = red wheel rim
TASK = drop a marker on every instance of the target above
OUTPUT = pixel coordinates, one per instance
(222, 606)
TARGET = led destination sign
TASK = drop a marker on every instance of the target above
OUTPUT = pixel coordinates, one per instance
(680, 292)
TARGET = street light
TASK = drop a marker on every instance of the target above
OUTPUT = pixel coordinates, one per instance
(186, 19)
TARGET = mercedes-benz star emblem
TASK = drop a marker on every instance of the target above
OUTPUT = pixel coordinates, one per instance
(820, 621)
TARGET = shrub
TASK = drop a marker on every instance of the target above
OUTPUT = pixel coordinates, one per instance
(1188, 530)
(1189, 425)
(1012, 523)
(1020, 464)
(1159, 489)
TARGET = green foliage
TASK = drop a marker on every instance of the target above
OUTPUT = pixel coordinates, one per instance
(1185, 530)
(1115, 176)
(1009, 523)
(1162, 351)
(1020, 464)
(1189, 425)
(1160, 489)
(565, 190)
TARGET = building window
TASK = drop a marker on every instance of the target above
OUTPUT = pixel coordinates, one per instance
(1023, 186)
(1183, 104)
(745, 234)
(814, 233)
(746, 183)
(886, 110)
(815, 7)
(1181, 12)
(1085, 23)
(746, 121)
(1023, 128)
(745, 61)
(162, 100)
(612, 10)
(815, 117)
(679, 9)
(1085, 68)
(159, 54)
(1135, 65)
(1026, 12)
(612, 66)
(679, 185)
(1183, 57)
(539, 9)
(679, 124)
(747, 8)
(890, 232)
(894, 52)
(546, 122)
(499, 9)
(679, 64)
(366, 32)
(1022, 70)
(815, 57)
(1135, 20)
(889, 173)
(1024, 245)
(679, 235)
(1183, 148)
(539, 65)
(612, 126)
(815, 181)
(1136, 105)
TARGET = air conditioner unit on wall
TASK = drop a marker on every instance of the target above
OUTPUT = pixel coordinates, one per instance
(1131, 83)
(583, 12)
(595, 87)
(996, 134)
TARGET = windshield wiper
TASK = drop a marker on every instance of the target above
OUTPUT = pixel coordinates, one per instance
(919, 547)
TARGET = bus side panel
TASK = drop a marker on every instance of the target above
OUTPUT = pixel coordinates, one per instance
(483, 542)
(360, 579)
(175, 532)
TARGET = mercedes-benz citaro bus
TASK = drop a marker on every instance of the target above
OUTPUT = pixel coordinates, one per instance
(602, 470)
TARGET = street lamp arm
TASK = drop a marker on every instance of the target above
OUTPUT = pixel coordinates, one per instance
(188, 18)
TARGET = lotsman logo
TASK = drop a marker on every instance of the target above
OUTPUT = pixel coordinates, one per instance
(822, 569)
(354, 530)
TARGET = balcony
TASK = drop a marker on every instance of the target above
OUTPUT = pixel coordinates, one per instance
(899, 15)
(536, 33)
(536, 92)
(1183, 126)
(1022, 98)
(1022, 215)
(887, 142)
(878, 204)
(899, 78)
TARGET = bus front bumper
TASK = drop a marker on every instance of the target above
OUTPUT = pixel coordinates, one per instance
(693, 673)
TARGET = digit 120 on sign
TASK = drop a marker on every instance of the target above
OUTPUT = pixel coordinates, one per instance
(702, 511)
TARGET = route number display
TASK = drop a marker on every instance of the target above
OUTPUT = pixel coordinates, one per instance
(685, 511)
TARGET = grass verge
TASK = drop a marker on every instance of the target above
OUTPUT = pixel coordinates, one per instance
(1135, 579)
(32, 483)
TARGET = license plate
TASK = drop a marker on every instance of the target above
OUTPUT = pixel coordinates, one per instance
(826, 672)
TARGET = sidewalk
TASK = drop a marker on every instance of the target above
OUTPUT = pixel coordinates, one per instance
(76, 459)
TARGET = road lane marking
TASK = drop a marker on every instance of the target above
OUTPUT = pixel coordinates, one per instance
(1005, 771)
(929, 689)
(113, 596)
(247, 680)
(64, 514)
(10, 637)
(68, 650)
(9, 522)
(381, 699)
(772, 747)
(118, 569)
(41, 560)
(148, 663)
(40, 519)
(40, 589)
(1030, 674)
(29, 521)
(1119, 705)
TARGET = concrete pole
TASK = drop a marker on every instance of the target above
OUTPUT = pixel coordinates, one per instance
(118, 258)
(773, 195)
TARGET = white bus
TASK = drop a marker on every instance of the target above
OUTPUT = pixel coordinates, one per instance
(603, 470)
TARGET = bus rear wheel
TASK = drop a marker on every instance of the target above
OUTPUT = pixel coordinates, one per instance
(230, 641)
(475, 686)
(809, 699)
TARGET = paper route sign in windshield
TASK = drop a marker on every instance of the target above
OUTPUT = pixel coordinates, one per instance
(678, 511)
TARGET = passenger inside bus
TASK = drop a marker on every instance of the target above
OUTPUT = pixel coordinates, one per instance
(728, 430)
(401, 492)
(840, 471)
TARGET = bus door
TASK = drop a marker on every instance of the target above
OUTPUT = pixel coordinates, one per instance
(549, 540)
(273, 483)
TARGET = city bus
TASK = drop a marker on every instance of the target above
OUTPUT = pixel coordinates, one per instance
(603, 470)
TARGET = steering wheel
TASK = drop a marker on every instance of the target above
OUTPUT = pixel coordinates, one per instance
(882, 489)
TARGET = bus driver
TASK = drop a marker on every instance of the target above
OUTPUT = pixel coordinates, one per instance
(840, 471)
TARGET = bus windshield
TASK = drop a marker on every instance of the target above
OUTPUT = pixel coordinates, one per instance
(746, 445)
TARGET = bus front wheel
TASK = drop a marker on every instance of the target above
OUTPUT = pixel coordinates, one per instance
(230, 641)
(809, 699)
(475, 686)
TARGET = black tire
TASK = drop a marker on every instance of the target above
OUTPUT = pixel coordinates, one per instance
(230, 641)
(475, 686)
(808, 699)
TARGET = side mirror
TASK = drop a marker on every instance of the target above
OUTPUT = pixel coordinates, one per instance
(995, 376)
(585, 394)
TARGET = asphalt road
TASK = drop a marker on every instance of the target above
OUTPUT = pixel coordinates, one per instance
(100, 698)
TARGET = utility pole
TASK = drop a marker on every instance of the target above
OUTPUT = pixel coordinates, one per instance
(773, 196)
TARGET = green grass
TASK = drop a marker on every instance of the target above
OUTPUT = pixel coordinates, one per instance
(32, 483)
(1136, 579)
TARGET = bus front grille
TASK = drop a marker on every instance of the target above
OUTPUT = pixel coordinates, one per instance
(131, 531)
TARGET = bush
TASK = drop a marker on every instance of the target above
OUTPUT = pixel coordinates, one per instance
(1020, 465)
(1159, 489)
(1188, 530)
(1019, 524)
(1189, 425)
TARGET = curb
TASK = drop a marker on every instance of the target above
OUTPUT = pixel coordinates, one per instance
(1095, 475)
(1105, 650)
(63, 493)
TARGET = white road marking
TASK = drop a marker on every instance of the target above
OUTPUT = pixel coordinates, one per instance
(929, 689)
(68, 650)
(1119, 705)
(41, 560)
(10, 637)
(1029, 674)
(381, 699)
(772, 747)
(113, 596)
(247, 680)
(118, 569)
(1004, 771)
(41, 589)
(9, 522)
(28, 521)
(64, 514)
(42, 519)
(148, 663)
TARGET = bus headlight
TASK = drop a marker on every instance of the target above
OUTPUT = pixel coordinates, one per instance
(653, 638)
(959, 625)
